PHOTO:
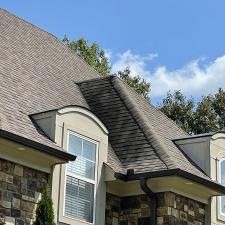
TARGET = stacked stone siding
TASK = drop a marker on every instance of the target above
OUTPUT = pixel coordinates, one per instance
(132, 210)
(173, 209)
(176, 209)
(20, 190)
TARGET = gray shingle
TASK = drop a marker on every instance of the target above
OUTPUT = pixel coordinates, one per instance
(140, 135)
(38, 73)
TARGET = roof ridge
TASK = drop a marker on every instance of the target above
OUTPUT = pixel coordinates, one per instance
(52, 35)
(148, 131)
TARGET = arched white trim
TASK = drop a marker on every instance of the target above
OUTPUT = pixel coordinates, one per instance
(85, 112)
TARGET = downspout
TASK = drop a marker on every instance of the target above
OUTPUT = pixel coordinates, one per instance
(153, 202)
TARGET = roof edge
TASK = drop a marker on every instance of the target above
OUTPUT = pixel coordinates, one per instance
(148, 131)
(53, 36)
(173, 172)
(37, 146)
(194, 136)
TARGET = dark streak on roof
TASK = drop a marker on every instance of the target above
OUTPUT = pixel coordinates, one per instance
(141, 136)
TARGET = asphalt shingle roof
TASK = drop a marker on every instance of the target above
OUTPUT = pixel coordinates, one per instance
(141, 136)
(38, 73)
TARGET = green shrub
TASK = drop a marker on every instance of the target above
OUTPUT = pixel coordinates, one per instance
(44, 211)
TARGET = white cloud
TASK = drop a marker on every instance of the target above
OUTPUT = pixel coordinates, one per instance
(136, 63)
(193, 78)
(108, 54)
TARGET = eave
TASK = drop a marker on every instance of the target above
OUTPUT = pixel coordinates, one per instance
(173, 172)
(60, 154)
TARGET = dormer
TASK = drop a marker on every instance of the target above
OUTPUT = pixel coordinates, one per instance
(208, 152)
(78, 131)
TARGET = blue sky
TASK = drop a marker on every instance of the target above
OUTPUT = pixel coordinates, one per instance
(173, 44)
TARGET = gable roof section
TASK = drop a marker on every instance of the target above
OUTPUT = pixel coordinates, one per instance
(36, 74)
(141, 135)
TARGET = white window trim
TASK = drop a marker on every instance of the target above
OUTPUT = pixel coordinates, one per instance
(94, 182)
(220, 181)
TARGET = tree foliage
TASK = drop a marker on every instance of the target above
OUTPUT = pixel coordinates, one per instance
(180, 109)
(92, 54)
(204, 116)
(219, 107)
(207, 116)
(139, 84)
(96, 57)
(44, 211)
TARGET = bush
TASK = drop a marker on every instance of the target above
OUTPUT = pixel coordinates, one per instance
(44, 211)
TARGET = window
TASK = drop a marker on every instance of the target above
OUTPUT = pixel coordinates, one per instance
(222, 181)
(81, 178)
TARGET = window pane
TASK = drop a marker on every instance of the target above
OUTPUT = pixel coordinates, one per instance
(223, 172)
(89, 150)
(86, 195)
(79, 193)
(223, 204)
(85, 190)
(71, 196)
(79, 199)
(82, 167)
(75, 145)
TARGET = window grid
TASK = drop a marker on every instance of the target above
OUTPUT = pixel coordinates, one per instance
(81, 178)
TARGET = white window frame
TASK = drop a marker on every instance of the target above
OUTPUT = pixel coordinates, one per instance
(94, 182)
(220, 181)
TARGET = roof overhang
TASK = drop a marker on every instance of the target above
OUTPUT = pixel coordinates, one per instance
(54, 152)
(217, 188)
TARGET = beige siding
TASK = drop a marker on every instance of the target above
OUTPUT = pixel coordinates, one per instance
(217, 152)
(84, 123)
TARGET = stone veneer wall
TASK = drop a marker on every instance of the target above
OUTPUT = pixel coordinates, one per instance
(176, 209)
(132, 210)
(172, 209)
(20, 190)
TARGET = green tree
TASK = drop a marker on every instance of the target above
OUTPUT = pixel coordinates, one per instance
(139, 84)
(205, 118)
(219, 107)
(180, 109)
(92, 54)
(96, 57)
(44, 211)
